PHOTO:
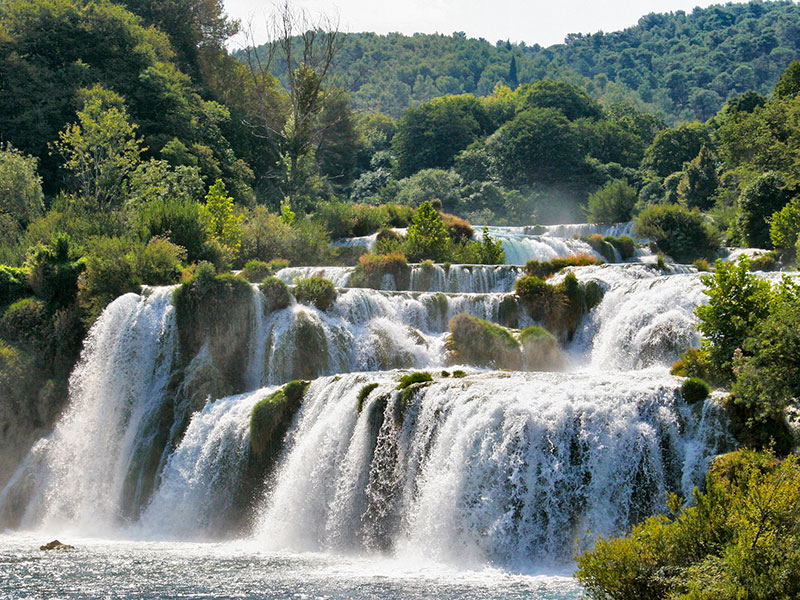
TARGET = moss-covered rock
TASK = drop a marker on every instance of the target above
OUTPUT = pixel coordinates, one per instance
(316, 291)
(372, 268)
(545, 269)
(276, 293)
(363, 394)
(271, 418)
(694, 390)
(412, 378)
(311, 347)
(540, 350)
(255, 271)
(508, 311)
(214, 311)
(593, 293)
(477, 342)
(602, 246)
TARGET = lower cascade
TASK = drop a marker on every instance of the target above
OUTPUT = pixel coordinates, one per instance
(460, 465)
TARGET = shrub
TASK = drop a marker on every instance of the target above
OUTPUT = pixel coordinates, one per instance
(491, 251)
(458, 229)
(458, 374)
(757, 204)
(108, 274)
(25, 321)
(738, 300)
(276, 264)
(412, 378)
(478, 342)
(276, 293)
(157, 263)
(766, 262)
(256, 271)
(13, 284)
(694, 390)
(176, 220)
(315, 290)
(53, 271)
(702, 265)
(739, 539)
(613, 203)
(543, 270)
(427, 236)
(679, 232)
(784, 227)
(272, 416)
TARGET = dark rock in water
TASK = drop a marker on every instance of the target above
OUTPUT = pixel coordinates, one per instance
(56, 545)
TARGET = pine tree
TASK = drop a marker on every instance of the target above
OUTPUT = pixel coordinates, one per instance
(512, 73)
(427, 237)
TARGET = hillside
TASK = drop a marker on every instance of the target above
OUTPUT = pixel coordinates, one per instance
(685, 65)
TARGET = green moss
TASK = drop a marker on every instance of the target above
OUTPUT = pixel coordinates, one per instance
(624, 245)
(412, 378)
(458, 374)
(315, 290)
(364, 393)
(276, 293)
(372, 268)
(694, 390)
(602, 246)
(272, 416)
(478, 342)
(593, 293)
(445, 373)
(311, 347)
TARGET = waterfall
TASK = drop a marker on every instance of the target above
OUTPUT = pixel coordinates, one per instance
(506, 471)
(90, 470)
(496, 468)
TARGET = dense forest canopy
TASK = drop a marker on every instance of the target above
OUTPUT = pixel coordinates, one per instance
(685, 65)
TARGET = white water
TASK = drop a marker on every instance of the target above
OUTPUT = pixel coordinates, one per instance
(507, 471)
(498, 470)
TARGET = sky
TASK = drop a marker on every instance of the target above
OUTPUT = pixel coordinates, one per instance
(531, 21)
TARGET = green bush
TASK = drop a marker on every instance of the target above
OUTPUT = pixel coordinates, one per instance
(412, 378)
(766, 262)
(784, 228)
(157, 263)
(458, 374)
(54, 270)
(702, 265)
(477, 342)
(694, 390)
(272, 416)
(543, 270)
(738, 300)
(739, 539)
(613, 203)
(276, 293)
(315, 290)
(679, 232)
(765, 197)
(178, 221)
(427, 236)
(13, 284)
(255, 271)
(25, 321)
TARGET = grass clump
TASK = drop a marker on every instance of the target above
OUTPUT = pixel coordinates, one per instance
(694, 390)
(412, 378)
(458, 374)
(702, 265)
(276, 293)
(766, 262)
(272, 416)
(364, 393)
(545, 269)
(315, 290)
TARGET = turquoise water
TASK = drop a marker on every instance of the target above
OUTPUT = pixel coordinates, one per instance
(130, 569)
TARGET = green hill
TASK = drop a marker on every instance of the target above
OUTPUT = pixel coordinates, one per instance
(685, 65)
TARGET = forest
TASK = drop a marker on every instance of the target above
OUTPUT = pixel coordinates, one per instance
(137, 150)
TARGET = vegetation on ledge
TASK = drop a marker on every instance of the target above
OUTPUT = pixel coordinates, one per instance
(272, 416)
(315, 290)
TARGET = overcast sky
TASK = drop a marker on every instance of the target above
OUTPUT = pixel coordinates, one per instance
(531, 21)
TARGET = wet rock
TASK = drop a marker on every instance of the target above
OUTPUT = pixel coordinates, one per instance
(56, 545)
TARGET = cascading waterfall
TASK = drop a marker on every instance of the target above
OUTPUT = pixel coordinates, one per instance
(504, 470)
(499, 468)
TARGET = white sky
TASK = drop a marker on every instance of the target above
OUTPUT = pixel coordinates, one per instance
(532, 21)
